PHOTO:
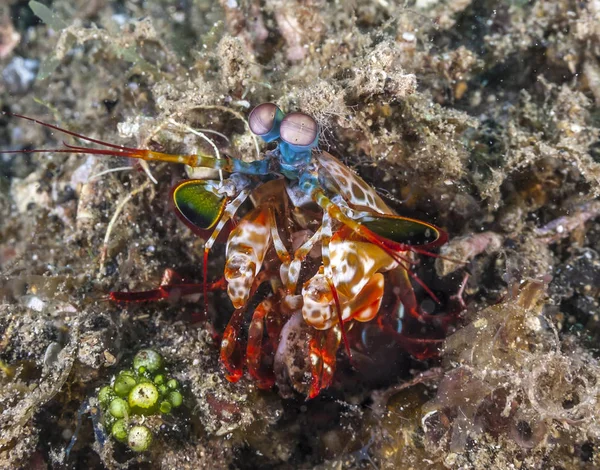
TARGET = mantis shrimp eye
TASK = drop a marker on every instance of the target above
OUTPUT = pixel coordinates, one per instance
(299, 130)
(264, 121)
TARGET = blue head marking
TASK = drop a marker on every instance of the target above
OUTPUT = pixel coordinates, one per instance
(293, 155)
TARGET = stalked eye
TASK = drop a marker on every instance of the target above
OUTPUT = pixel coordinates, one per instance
(264, 121)
(299, 129)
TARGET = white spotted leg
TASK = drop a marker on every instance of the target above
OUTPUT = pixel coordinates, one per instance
(319, 293)
(229, 211)
(245, 252)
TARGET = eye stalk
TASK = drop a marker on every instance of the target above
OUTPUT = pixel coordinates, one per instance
(264, 121)
(299, 131)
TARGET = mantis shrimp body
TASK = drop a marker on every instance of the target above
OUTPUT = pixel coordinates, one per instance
(360, 243)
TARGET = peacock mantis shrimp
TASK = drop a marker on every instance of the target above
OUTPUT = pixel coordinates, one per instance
(362, 243)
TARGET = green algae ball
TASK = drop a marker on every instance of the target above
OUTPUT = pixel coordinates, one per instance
(105, 395)
(165, 407)
(172, 384)
(150, 360)
(118, 408)
(143, 396)
(176, 399)
(159, 379)
(139, 438)
(119, 430)
(124, 383)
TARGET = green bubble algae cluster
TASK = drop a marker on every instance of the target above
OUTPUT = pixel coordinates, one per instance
(143, 391)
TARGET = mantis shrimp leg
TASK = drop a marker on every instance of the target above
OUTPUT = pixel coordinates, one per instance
(229, 211)
(232, 355)
(255, 349)
(322, 350)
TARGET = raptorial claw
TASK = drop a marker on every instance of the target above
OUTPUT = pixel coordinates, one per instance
(246, 249)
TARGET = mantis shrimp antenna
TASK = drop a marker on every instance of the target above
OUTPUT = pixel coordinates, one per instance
(198, 160)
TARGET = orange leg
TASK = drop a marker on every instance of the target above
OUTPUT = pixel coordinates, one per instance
(232, 353)
(254, 350)
(322, 351)
(168, 289)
